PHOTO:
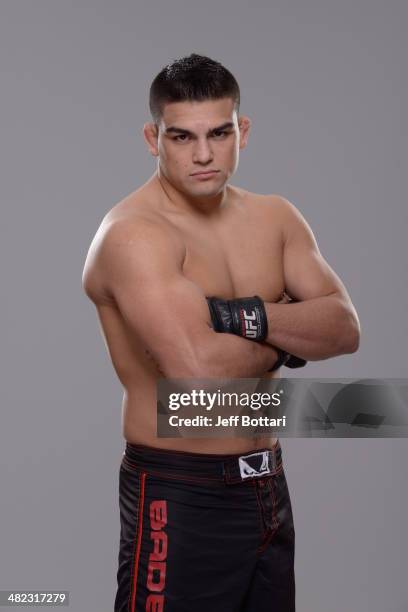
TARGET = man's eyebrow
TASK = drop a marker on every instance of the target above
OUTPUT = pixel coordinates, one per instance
(176, 130)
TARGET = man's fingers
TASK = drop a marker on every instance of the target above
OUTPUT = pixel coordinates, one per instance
(285, 299)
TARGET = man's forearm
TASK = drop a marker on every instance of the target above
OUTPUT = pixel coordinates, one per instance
(230, 356)
(219, 356)
(314, 329)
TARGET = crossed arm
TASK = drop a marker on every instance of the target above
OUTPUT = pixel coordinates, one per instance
(169, 314)
(166, 312)
(324, 322)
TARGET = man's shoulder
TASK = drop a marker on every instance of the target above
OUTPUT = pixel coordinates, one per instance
(272, 206)
(270, 200)
(135, 210)
(135, 217)
(128, 232)
(274, 211)
(139, 232)
(280, 208)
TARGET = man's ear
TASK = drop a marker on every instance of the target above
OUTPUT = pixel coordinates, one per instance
(244, 124)
(150, 134)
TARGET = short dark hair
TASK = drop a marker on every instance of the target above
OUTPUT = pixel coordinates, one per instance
(192, 78)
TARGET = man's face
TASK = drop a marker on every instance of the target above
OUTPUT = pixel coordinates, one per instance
(198, 137)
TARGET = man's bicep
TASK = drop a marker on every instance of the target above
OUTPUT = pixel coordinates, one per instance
(307, 274)
(165, 311)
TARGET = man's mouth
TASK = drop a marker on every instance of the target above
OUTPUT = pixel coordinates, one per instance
(205, 173)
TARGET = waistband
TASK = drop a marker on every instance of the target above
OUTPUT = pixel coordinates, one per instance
(229, 468)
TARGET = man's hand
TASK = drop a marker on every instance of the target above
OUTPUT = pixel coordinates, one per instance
(246, 317)
(285, 299)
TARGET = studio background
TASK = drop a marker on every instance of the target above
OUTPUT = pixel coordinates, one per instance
(324, 84)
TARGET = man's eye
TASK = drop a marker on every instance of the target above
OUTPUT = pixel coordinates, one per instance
(180, 136)
(184, 137)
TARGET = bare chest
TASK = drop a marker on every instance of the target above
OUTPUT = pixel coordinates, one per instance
(239, 257)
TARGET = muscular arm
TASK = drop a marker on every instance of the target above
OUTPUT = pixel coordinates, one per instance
(324, 323)
(167, 312)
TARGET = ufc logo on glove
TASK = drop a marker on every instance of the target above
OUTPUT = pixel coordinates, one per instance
(251, 328)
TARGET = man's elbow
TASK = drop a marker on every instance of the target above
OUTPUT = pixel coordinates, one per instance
(354, 343)
(350, 338)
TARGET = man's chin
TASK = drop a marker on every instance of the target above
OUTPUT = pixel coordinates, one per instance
(204, 188)
(206, 193)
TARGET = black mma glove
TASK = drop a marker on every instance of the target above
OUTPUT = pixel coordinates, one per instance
(244, 317)
(283, 357)
(295, 362)
(288, 360)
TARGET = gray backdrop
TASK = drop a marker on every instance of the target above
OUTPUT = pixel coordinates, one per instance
(324, 84)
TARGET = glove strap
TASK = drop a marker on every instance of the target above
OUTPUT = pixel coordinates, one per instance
(283, 357)
(295, 362)
(220, 314)
(288, 360)
(249, 318)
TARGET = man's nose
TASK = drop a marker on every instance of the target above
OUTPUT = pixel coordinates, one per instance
(202, 152)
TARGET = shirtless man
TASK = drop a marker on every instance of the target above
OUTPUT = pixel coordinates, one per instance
(197, 534)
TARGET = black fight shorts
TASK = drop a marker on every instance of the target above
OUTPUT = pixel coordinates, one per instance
(204, 533)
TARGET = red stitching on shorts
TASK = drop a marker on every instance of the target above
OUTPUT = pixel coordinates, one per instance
(272, 493)
(195, 479)
(134, 545)
(260, 508)
(275, 522)
(139, 531)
